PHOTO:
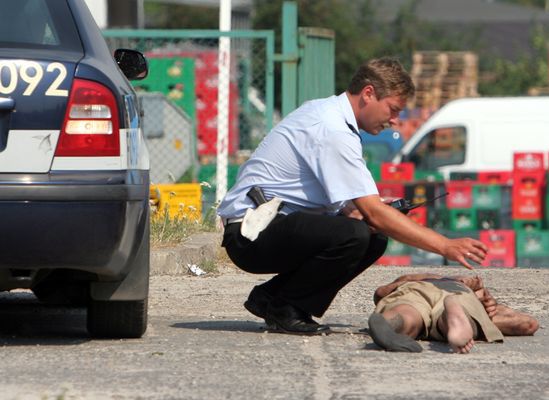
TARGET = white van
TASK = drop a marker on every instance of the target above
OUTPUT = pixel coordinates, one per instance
(479, 134)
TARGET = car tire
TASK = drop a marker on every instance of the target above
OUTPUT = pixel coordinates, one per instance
(117, 319)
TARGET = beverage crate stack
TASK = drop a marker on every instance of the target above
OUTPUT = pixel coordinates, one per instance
(529, 197)
(503, 209)
(401, 181)
(482, 210)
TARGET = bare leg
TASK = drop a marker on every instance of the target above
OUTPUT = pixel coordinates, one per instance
(396, 329)
(456, 326)
(404, 319)
(514, 323)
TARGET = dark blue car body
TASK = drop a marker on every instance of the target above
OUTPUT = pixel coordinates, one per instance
(74, 173)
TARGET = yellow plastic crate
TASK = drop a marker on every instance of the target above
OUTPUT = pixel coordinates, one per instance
(179, 200)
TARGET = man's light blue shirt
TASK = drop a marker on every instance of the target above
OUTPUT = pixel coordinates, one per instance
(312, 160)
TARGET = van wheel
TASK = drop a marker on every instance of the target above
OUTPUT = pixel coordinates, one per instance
(117, 319)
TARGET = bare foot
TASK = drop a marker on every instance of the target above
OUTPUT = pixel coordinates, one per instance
(459, 330)
(513, 323)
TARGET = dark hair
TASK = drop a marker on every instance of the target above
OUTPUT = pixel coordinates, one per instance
(386, 75)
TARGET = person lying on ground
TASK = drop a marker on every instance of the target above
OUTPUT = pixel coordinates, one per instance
(456, 309)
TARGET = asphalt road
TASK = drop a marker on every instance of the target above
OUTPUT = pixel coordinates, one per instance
(202, 344)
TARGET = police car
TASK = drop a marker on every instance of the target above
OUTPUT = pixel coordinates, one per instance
(74, 169)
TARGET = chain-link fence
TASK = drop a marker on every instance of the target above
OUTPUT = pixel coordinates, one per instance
(181, 117)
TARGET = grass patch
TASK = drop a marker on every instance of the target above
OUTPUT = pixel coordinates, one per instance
(166, 231)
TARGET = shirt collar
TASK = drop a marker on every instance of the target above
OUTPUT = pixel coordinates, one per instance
(348, 112)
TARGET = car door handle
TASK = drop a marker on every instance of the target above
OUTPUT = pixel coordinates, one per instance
(7, 104)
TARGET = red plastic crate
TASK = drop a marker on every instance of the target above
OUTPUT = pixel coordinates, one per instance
(394, 260)
(460, 194)
(501, 248)
(528, 161)
(390, 190)
(419, 215)
(403, 172)
(495, 177)
(527, 200)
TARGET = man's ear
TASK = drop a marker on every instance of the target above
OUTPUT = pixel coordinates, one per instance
(368, 93)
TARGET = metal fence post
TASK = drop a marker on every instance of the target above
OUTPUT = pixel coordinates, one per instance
(290, 57)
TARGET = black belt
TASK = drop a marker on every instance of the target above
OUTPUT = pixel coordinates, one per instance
(227, 221)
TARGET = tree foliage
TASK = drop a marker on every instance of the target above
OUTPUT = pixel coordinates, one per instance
(171, 16)
(529, 3)
(515, 78)
(361, 35)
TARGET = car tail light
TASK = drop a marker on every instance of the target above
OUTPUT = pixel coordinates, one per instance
(91, 126)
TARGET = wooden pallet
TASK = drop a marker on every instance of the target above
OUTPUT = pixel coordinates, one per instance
(443, 76)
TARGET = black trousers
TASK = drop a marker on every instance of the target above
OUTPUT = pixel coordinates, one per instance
(314, 256)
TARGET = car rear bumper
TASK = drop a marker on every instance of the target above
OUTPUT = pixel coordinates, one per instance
(91, 222)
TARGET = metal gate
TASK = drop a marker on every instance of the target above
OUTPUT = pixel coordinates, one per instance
(183, 69)
(316, 68)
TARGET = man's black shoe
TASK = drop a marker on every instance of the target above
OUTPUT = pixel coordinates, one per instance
(258, 301)
(288, 319)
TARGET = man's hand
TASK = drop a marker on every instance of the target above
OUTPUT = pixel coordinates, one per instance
(488, 301)
(464, 249)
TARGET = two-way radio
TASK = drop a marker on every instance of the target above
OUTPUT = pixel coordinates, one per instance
(405, 206)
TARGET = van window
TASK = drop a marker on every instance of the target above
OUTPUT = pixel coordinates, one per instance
(440, 147)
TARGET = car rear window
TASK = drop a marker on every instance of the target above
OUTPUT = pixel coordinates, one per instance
(38, 24)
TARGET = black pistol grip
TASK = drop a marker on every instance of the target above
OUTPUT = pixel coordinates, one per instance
(257, 196)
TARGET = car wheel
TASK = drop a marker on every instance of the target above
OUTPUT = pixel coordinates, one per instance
(117, 319)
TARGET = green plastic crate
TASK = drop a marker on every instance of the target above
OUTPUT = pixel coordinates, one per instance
(429, 176)
(396, 248)
(534, 243)
(462, 219)
(487, 197)
(527, 224)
